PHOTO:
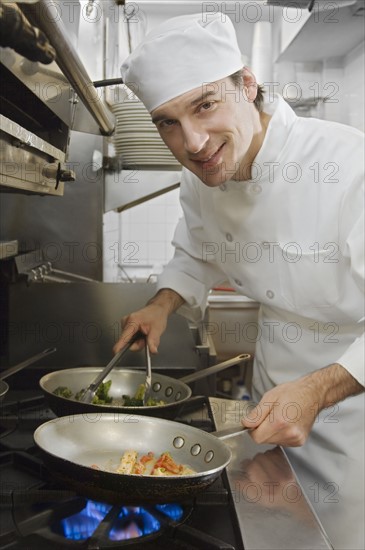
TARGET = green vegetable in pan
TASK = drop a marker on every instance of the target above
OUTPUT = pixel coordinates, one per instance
(137, 399)
(102, 396)
(63, 391)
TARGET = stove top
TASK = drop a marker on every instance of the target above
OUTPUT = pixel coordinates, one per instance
(37, 512)
(256, 503)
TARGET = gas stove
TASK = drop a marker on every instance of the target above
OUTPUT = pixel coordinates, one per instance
(37, 512)
(239, 511)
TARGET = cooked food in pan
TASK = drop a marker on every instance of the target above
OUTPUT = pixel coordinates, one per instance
(148, 464)
(137, 399)
(102, 396)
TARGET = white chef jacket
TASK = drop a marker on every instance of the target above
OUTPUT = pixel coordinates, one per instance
(291, 238)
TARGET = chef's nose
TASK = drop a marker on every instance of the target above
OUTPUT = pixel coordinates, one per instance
(195, 138)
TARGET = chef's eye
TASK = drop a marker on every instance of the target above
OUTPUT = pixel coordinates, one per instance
(167, 123)
(207, 105)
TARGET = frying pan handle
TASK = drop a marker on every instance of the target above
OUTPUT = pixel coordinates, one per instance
(203, 373)
(229, 432)
(20, 366)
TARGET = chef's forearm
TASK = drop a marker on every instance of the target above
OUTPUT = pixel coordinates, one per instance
(168, 300)
(332, 384)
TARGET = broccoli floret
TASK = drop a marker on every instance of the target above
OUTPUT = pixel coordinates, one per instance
(132, 401)
(63, 391)
(141, 390)
(103, 393)
(101, 397)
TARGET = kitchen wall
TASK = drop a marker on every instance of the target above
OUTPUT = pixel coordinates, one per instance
(323, 55)
(353, 84)
(137, 242)
(341, 78)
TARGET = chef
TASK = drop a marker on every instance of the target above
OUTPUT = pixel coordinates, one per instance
(273, 203)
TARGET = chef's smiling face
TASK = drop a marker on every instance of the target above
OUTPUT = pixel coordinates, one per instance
(214, 130)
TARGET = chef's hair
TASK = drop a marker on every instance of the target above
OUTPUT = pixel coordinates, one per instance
(237, 79)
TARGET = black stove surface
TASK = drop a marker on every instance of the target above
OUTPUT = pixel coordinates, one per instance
(37, 513)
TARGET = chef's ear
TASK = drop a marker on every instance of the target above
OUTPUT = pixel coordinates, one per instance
(249, 84)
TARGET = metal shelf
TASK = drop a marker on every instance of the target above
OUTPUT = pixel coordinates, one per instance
(330, 33)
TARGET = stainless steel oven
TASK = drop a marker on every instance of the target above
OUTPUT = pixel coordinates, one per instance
(45, 93)
(53, 122)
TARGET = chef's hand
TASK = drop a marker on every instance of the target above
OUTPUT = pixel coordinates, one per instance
(151, 320)
(286, 414)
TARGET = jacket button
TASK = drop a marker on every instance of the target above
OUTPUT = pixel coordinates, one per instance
(256, 189)
(229, 237)
(270, 294)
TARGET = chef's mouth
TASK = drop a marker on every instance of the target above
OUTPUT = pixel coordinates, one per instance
(212, 160)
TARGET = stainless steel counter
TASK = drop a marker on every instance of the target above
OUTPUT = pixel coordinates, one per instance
(272, 509)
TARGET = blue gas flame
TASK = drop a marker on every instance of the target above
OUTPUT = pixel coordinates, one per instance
(132, 522)
(80, 526)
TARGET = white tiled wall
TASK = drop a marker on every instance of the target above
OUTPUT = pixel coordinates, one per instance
(340, 79)
(347, 75)
(333, 88)
(140, 241)
(354, 87)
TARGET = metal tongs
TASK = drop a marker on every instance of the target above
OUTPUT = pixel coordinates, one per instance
(148, 381)
(88, 395)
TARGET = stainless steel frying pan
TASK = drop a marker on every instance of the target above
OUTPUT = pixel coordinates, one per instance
(72, 444)
(125, 382)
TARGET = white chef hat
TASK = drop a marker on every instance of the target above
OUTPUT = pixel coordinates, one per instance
(182, 54)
